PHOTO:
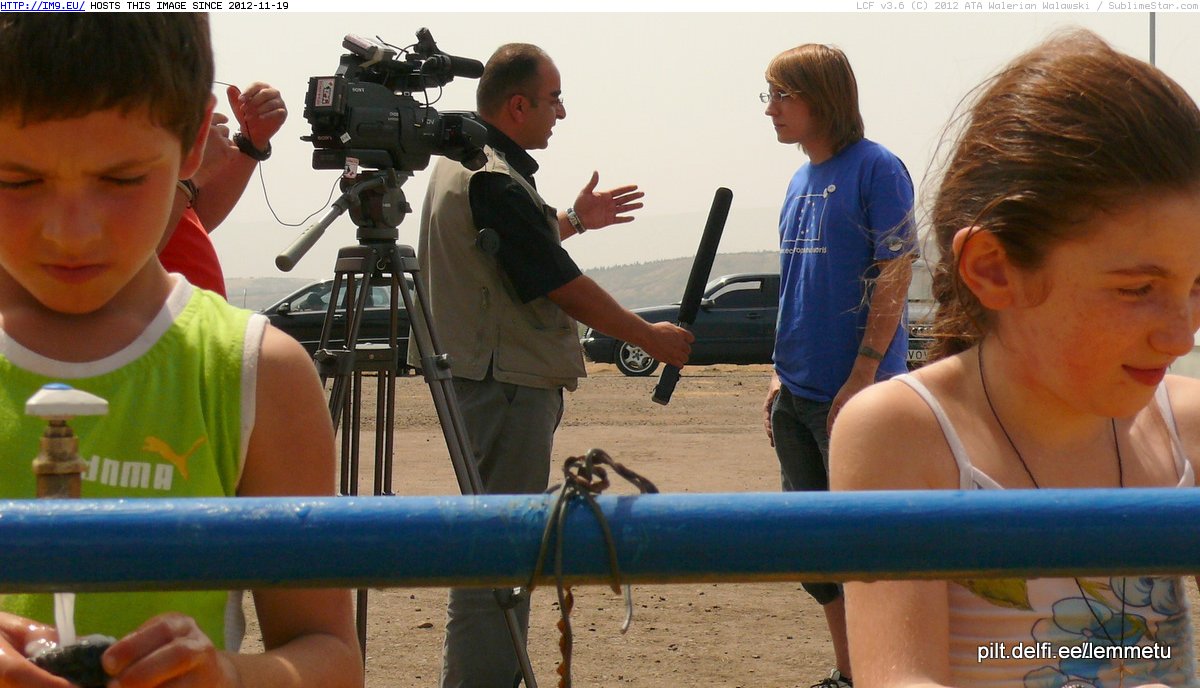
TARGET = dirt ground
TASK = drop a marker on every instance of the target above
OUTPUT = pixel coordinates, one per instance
(708, 439)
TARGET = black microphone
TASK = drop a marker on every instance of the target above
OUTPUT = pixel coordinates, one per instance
(689, 306)
(438, 62)
(453, 65)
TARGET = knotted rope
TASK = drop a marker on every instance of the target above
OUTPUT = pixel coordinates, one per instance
(584, 478)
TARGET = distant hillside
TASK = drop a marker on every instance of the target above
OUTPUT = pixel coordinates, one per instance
(662, 281)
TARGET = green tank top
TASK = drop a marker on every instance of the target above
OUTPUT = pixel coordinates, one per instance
(181, 407)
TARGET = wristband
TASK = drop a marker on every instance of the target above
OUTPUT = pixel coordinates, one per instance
(246, 146)
(575, 221)
(870, 353)
(190, 190)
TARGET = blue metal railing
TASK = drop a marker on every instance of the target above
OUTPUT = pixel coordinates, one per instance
(493, 540)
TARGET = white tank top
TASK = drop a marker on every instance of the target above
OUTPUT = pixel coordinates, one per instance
(992, 620)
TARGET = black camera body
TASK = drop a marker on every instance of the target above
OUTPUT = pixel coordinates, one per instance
(366, 111)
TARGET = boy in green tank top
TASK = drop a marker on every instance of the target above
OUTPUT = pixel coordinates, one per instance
(103, 115)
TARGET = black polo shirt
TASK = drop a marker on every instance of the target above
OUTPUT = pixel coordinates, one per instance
(534, 264)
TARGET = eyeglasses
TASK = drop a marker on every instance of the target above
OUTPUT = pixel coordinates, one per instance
(775, 96)
(554, 101)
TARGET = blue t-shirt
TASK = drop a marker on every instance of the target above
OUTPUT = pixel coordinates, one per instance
(839, 218)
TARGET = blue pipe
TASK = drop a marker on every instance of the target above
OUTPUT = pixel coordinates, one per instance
(48, 545)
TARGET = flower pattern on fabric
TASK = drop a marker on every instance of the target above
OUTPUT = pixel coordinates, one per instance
(1106, 616)
(1002, 592)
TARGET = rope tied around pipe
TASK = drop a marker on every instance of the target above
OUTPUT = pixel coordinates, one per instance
(584, 477)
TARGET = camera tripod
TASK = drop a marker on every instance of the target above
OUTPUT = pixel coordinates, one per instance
(377, 206)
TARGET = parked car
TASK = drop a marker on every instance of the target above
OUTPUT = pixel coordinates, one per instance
(735, 324)
(302, 313)
(920, 331)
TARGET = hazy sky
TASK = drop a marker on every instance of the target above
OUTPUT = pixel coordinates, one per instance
(667, 101)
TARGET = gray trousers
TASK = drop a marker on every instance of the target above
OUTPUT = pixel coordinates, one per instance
(512, 433)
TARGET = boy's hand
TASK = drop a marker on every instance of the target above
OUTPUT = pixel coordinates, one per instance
(169, 649)
(15, 670)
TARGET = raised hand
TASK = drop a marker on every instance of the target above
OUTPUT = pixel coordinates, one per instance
(259, 111)
(603, 208)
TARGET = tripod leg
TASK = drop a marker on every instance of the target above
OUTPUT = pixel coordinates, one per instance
(349, 482)
(354, 421)
(382, 380)
(436, 369)
(360, 621)
(356, 267)
(389, 415)
(339, 365)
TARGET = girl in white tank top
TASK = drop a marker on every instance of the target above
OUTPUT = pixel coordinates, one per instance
(1068, 229)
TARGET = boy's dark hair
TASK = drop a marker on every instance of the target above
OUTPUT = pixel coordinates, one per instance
(512, 69)
(1069, 129)
(56, 66)
(822, 76)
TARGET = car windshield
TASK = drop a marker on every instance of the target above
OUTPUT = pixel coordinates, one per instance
(921, 311)
(317, 298)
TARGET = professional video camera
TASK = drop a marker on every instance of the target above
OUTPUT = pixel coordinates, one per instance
(366, 111)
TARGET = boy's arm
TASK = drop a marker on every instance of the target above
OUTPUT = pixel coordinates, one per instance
(308, 634)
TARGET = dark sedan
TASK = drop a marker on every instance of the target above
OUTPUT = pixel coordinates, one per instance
(735, 324)
(302, 313)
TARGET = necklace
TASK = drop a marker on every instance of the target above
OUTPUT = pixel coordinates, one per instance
(1120, 482)
(1017, 452)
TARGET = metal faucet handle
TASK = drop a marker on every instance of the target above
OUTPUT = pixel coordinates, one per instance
(58, 401)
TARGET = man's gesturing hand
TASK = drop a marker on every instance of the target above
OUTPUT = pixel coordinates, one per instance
(603, 208)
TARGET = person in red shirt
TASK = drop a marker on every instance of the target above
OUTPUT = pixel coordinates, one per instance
(205, 200)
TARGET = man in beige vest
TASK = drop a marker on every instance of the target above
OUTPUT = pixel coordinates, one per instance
(508, 320)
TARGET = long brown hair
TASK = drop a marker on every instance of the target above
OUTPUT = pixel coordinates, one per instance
(1068, 129)
(821, 75)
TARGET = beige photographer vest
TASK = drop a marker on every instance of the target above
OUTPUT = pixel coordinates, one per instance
(474, 310)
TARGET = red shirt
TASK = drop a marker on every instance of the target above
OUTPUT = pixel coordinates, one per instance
(191, 253)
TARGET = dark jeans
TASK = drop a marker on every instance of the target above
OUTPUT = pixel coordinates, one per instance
(802, 445)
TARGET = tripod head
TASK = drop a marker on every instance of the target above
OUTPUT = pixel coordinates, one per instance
(377, 207)
(377, 204)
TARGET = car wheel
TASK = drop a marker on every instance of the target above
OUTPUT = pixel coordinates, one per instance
(631, 360)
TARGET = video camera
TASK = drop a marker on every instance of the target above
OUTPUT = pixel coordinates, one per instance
(366, 112)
